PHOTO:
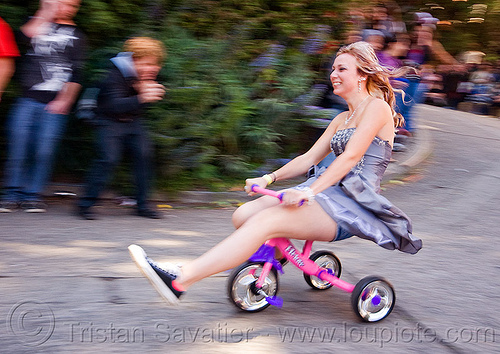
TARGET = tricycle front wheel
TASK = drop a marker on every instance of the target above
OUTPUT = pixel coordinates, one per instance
(242, 290)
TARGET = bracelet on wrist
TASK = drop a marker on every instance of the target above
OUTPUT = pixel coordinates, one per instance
(268, 179)
(273, 175)
(310, 195)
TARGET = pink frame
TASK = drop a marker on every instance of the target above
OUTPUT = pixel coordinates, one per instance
(299, 259)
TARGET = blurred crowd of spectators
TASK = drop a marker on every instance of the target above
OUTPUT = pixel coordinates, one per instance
(467, 82)
(474, 88)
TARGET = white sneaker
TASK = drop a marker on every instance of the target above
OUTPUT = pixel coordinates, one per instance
(162, 277)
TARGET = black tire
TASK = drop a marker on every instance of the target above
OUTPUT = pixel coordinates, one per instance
(324, 259)
(373, 299)
(241, 287)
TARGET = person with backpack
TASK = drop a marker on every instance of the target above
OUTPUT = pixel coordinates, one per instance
(130, 86)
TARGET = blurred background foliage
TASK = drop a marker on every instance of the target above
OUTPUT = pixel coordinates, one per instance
(235, 72)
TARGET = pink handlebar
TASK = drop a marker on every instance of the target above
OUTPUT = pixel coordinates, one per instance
(257, 189)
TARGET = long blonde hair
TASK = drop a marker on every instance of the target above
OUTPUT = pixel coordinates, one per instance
(377, 76)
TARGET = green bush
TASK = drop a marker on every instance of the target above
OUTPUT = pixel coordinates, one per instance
(222, 117)
(233, 71)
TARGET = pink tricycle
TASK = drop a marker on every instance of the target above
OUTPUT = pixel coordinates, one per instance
(253, 286)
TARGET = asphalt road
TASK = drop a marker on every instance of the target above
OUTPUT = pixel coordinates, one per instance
(68, 285)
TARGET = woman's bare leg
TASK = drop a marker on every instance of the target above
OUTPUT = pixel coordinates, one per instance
(247, 210)
(304, 223)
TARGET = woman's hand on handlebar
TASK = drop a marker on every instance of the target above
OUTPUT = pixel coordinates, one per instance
(249, 182)
(294, 197)
(289, 197)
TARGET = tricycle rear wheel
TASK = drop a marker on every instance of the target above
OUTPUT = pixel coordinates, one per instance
(373, 299)
(327, 260)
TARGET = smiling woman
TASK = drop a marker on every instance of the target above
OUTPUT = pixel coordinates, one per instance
(371, 71)
(335, 203)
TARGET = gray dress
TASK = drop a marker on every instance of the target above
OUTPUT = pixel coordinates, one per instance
(355, 203)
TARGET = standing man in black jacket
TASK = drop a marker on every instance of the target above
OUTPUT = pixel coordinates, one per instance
(129, 87)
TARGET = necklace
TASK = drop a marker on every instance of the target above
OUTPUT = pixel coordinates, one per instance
(349, 117)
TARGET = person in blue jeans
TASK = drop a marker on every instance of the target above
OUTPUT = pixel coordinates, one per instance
(124, 95)
(50, 73)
